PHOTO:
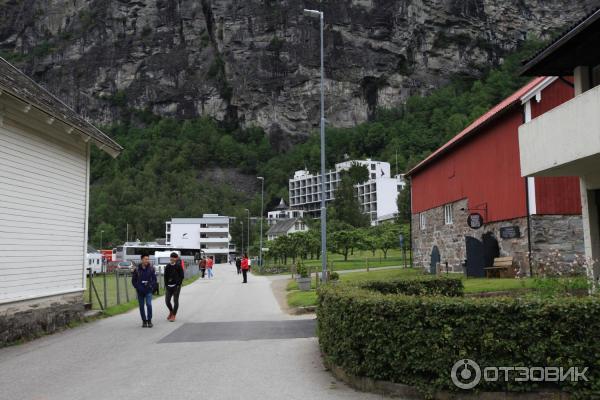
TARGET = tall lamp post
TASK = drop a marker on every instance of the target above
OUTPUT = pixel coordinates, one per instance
(321, 16)
(248, 237)
(262, 212)
(242, 223)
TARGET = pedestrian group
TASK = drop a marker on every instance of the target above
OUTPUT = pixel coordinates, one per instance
(145, 282)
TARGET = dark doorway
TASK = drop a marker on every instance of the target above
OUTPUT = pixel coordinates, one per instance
(435, 259)
(491, 249)
(475, 257)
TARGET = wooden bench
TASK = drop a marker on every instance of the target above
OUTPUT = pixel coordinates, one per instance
(503, 268)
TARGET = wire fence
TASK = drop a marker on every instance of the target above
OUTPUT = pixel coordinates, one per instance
(109, 289)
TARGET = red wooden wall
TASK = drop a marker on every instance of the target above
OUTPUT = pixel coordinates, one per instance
(555, 195)
(485, 168)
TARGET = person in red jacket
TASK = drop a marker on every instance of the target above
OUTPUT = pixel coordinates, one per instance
(209, 266)
(245, 268)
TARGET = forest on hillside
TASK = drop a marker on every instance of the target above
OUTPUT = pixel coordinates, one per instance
(166, 166)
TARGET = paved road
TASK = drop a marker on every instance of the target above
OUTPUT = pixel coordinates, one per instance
(116, 359)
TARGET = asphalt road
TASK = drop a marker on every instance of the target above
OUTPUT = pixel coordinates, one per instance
(230, 341)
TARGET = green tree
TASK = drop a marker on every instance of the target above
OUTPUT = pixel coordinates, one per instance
(403, 201)
(343, 239)
(388, 237)
(346, 207)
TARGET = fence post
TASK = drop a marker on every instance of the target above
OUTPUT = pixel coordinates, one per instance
(118, 288)
(126, 287)
(90, 284)
(104, 285)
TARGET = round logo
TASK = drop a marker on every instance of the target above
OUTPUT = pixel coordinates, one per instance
(466, 374)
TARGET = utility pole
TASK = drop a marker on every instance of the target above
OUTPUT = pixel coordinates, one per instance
(262, 212)
(248, 237)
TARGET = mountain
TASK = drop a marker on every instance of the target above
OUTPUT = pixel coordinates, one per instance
(255, 62)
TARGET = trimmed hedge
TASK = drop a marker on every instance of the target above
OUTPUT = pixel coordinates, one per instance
(452, 287)
(415, 340)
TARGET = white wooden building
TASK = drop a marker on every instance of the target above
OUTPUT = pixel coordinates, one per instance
(44, 200)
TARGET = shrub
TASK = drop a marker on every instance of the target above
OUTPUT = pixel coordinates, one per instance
(416, 340)
(301, 270)
(424, 286)
(334, 276)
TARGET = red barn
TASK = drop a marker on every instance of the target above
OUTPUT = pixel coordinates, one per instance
(479, 172)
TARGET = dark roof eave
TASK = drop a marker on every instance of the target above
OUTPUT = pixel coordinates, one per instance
(529, 65)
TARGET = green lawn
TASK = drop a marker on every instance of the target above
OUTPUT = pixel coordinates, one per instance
(472, 285)
(359, 260)
(297, 298)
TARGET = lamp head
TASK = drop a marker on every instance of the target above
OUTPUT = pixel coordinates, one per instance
(313, 13)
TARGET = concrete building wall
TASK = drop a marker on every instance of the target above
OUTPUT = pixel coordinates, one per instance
(32, 318)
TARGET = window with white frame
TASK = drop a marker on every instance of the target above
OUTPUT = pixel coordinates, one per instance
(422, 220)
(448, 214)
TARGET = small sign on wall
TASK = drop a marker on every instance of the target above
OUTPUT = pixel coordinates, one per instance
(475, 221)
(510, 232)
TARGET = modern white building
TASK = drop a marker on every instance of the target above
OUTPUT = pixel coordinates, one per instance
(566, 140)
(44, 200)
(209, 234)
(377, 196)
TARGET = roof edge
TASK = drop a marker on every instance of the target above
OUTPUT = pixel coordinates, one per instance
(558, 43)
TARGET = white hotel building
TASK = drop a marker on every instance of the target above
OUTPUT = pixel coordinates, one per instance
(377, 196)
(210, 234)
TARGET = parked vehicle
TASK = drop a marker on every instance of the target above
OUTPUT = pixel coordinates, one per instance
(125, 266)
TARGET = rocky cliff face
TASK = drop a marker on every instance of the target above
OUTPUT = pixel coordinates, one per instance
(256, 62)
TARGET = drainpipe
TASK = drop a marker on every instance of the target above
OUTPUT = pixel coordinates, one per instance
(410, 226)
(528, 214)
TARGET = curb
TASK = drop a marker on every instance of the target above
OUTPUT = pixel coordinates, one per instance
(407, 392)
(303, 310)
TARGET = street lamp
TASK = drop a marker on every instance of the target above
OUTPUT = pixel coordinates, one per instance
(321, 16)
(242, 223)
(262, 212)
(248, 238)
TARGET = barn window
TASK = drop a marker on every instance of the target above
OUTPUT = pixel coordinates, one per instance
(448, 214)
(422, 220)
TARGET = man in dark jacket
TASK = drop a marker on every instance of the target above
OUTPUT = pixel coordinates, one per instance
(144, 282)
(173, 281)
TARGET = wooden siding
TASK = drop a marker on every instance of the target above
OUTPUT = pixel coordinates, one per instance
(555, 195)
(43, 212)
(484, 169)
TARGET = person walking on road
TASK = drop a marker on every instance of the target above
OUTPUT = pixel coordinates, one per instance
(209, 267)
(173, 281)
(238, 265)
(203, 267)
(144, 282)
(245, 264)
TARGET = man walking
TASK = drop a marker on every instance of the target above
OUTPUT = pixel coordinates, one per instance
(144, 282)
(173, 281)
(245, 267)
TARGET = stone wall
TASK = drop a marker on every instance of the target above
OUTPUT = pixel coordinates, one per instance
(563, 233)
(33, 318)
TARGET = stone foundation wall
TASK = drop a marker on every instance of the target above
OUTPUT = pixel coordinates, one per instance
(32, 318)
(549, 233)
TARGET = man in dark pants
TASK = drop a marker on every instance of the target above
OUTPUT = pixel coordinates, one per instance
(144, 282)
(245, 268)
(173, 281)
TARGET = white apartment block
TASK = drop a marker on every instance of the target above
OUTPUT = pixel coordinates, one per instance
(210, 234)
(377, 196)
